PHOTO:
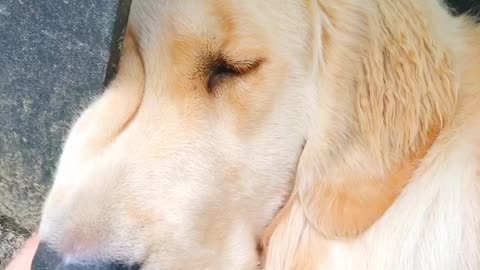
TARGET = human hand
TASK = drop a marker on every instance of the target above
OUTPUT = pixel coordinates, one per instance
(23, 259)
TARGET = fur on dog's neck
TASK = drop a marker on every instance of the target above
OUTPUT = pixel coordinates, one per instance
(394, 88)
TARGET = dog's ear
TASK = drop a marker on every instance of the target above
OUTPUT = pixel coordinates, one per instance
(386, 110)
(385, 92)
(341, 186)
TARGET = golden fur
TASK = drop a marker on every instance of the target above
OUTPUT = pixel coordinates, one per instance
(407, 91)
(403, 88)
(331, 133)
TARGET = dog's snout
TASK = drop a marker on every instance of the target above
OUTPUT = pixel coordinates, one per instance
(47, 259)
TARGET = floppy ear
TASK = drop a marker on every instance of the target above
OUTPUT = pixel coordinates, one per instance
(385, 90)
(395, 100)
(340, 185)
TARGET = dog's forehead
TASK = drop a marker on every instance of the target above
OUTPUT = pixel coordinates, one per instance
(159, 20)
(165, 29)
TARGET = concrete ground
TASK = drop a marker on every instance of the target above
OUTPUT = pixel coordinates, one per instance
(55, 56)
(10, 241)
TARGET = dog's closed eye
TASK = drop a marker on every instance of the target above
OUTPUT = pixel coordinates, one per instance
(223, 69)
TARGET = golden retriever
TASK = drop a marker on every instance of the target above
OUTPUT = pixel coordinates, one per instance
(292, 134)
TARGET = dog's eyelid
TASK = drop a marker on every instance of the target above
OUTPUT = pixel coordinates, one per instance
(243, 67)
(224, 68)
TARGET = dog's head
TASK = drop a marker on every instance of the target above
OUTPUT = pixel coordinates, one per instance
(190, 152)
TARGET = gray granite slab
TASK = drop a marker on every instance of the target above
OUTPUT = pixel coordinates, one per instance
(55, 56)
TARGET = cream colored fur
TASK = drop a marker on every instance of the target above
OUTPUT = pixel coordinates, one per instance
(365, 115)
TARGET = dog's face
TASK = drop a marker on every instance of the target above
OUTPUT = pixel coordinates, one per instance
(189, 153)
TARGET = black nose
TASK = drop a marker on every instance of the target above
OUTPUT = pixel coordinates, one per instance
(47, 259)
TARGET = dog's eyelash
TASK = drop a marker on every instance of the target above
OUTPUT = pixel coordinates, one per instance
(223, 68)
(243, 67)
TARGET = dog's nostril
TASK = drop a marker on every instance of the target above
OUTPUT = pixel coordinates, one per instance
(47, 259)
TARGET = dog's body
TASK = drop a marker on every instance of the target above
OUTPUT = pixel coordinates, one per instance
(371, 107)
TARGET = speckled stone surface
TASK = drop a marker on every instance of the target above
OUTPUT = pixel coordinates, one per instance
(471, 7)
(55, 56)
(12, 238)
